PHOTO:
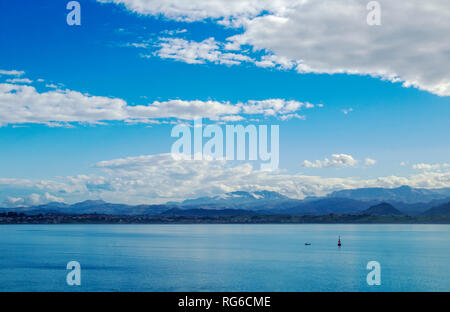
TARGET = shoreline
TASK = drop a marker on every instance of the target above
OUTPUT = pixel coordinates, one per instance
(232, 219)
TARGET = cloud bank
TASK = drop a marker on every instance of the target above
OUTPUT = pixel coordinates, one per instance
(337, 160)
(159, 178)
(324, 37)
(21, 104)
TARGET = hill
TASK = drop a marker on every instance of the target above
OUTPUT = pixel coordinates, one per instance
(442, 210)
(91, 207)
(383, 209)
(327, 206)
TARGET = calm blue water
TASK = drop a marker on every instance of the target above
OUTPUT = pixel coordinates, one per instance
(224, 257)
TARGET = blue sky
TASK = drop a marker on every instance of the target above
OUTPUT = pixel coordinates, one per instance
(360, 115)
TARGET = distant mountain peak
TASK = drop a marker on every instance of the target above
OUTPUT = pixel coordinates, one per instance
(404, 187)
(403, 193)
(93, 201)
(89, 203)
(56, 204)
(235, 198)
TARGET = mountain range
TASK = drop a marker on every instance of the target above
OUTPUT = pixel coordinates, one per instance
(403, 194)
(373, 201)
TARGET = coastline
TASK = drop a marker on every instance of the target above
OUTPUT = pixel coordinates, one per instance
(239, 219)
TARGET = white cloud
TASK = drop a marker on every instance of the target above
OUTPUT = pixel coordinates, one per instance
(272, 60)
(160, 178)
(229, 12)
(21, 104)
(173, 32)
(11, 72)
(186, 110)
(337, 160)
(193, 52)
(209, 51)
(273, 107)
(347, 111)
(332, 36)
(13, 202)
(50, 198)
(369, 162)
(293, 116)
(19, 80)
(30, 200)
(214, 110)
(423, 166)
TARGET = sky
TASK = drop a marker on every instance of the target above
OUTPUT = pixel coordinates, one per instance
(86, 111)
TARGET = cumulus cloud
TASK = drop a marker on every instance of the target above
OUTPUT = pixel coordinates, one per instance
(19, 80)
(369, 162)
(186, 110)
(160, 178)
(13, 201)
(21, 104)
(337, 160)
(66, 185)
(11, 72)
(275, 61)
(210, 51)
(50, 198)
(332, 36)
(292, 116)
(30, 200)
(423, 166)
(193, 52)
(215, 110)
(173, 32)
(229, 12)
(273, 107)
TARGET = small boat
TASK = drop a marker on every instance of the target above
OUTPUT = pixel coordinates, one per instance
(307, 244)
(339, 241)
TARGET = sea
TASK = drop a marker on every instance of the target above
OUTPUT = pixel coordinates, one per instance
(229, 257)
